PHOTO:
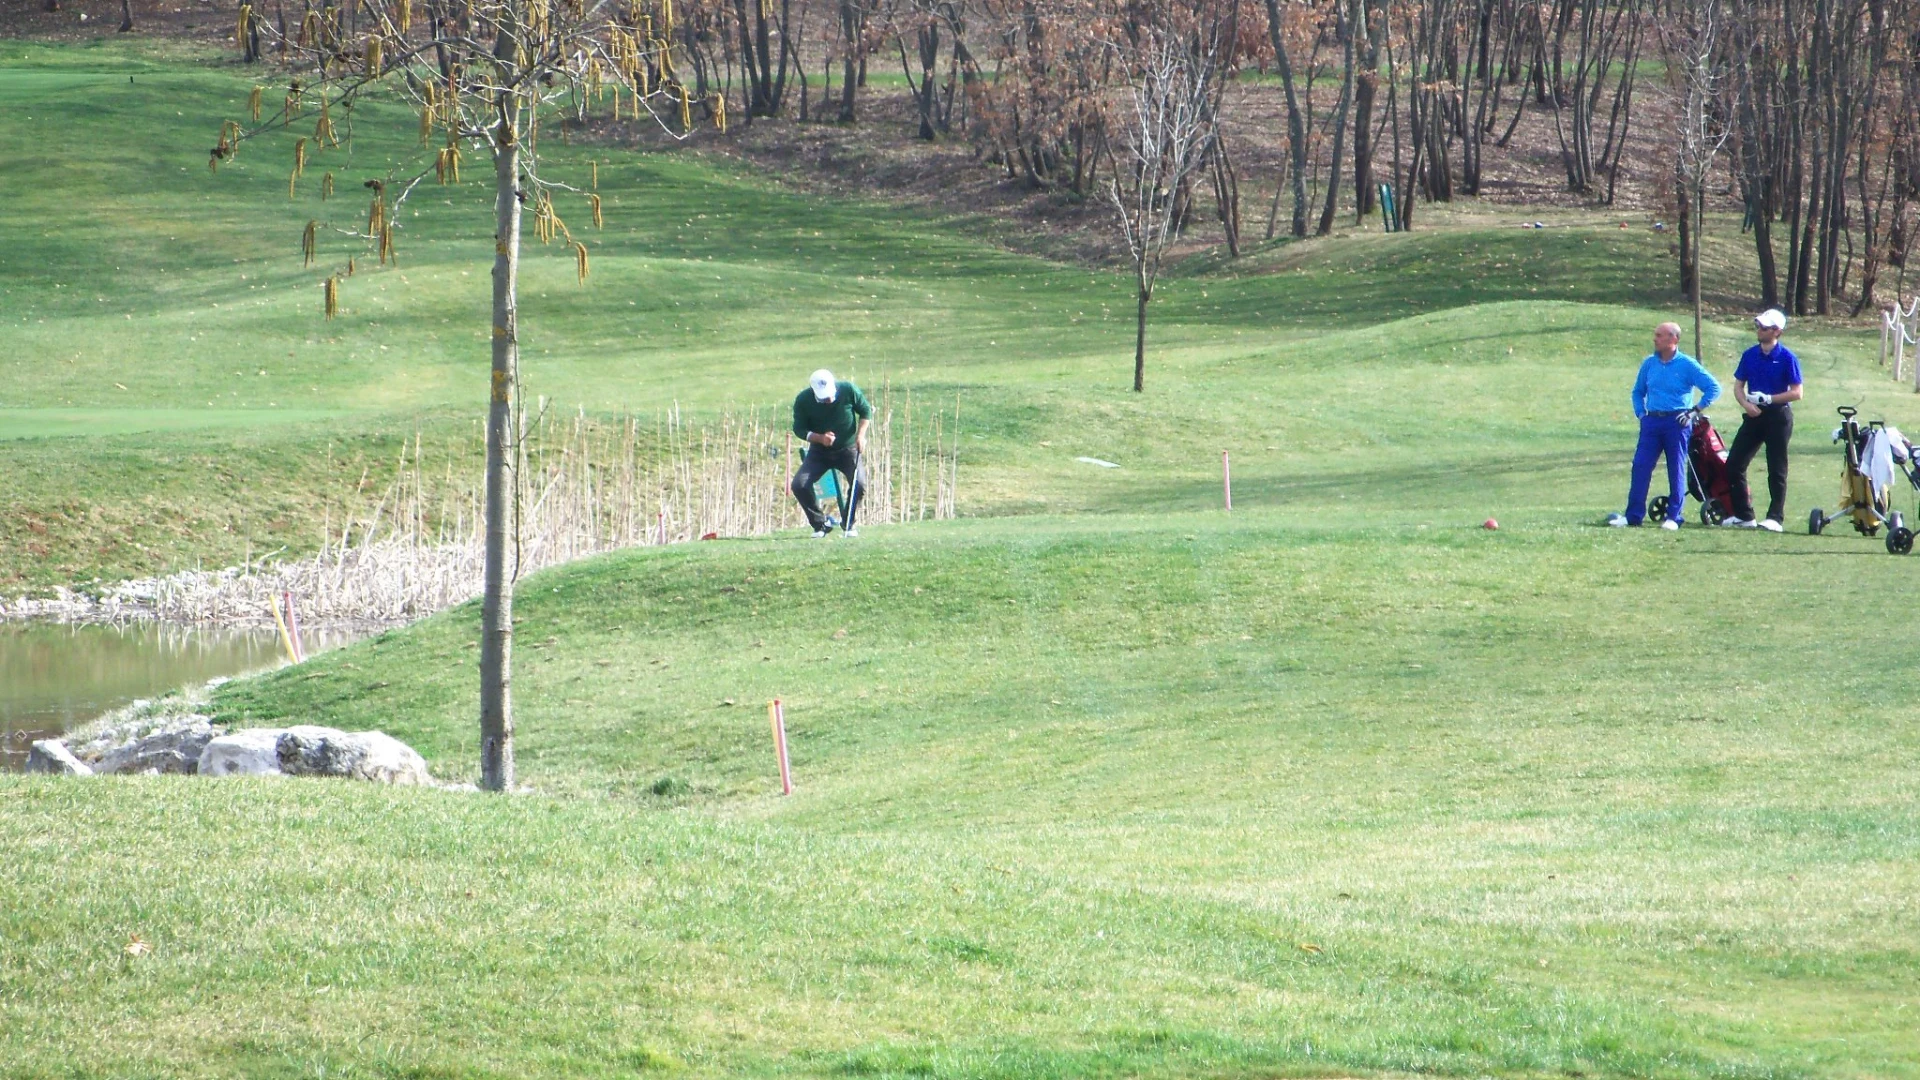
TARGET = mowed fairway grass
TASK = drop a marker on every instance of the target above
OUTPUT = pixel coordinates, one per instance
(1098, 781)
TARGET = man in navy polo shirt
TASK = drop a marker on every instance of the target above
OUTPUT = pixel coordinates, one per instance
(1662, 394)
(1765, 384)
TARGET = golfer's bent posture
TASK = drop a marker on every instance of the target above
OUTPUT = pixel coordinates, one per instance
(1765, 384)
(1663, 390)
(832, 415)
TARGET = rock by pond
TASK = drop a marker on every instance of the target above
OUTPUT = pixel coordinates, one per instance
(168, 737)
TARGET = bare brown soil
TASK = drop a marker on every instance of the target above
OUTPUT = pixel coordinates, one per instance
(881, 156)
(79, 20)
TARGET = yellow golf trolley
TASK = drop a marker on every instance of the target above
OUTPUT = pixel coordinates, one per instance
(1871, 448)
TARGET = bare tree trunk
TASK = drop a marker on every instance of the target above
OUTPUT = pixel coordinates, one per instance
(1684, 206)
(1145, 294)
(126, 16)
(496, 612)
(1699, 236)
(1296, 122)
(1340, 126)
(852, 68)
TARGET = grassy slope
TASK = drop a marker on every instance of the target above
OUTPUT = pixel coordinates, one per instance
(168, 350)
(1074, 790)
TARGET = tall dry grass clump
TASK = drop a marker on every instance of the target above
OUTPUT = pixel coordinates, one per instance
(585, 485)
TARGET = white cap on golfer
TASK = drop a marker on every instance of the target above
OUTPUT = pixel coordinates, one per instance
(823, 385)
(1773, 318)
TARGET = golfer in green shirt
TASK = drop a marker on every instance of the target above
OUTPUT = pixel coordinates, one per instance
(832, 415)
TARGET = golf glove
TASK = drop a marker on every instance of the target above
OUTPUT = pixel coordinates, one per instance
(1759, 398)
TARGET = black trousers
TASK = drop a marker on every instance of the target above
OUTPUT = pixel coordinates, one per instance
(844, 460)
(1773, 428)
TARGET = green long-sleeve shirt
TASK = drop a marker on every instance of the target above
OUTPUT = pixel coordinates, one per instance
(841, 416)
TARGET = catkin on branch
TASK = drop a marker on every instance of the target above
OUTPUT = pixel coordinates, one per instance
(309, 243)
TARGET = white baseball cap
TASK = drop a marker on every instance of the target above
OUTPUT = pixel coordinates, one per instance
(823, 385)
(1772, 317)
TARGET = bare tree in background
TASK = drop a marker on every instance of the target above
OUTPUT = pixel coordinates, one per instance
(483, 76)
(1277, 35)
(1697, 74)
(1171, 60)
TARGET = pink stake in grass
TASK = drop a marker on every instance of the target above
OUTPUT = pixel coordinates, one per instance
(1226, 479)
(777, 718)
(293, 628)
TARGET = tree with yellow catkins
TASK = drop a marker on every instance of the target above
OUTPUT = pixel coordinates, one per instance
(488, 78)
(323, 134)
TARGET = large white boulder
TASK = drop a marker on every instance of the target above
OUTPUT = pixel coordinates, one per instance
(52, 756)
(175, 749)
(314, 751)
(253, 752)
(361, 755)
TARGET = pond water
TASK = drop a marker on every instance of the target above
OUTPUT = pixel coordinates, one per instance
(56, 676)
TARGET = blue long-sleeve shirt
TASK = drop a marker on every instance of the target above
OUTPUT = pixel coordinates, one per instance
(1669, 387)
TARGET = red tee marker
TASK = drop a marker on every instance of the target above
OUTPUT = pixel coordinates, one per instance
(1490, 524)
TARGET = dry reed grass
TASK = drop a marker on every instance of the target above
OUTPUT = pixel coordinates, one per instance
(587, 485)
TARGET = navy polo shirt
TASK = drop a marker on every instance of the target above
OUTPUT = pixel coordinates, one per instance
(1769, 373)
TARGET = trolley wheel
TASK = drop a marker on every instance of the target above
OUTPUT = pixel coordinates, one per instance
(1899, 540)
(1816, 521)
(1657, 508)
(1710, 512)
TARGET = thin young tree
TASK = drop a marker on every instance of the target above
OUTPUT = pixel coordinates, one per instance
(1697, 73)
(483, 76)
(1171, 57)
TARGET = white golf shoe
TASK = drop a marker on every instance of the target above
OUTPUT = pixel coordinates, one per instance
(1670, 525)
(1771, 525)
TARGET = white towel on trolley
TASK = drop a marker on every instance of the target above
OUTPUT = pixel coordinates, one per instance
(1876, 462)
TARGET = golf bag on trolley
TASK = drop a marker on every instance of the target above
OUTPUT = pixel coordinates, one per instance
(1874, 453)
(1708, 483)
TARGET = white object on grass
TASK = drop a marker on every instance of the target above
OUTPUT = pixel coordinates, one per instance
(1097, 461)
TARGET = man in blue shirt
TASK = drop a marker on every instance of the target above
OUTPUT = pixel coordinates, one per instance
(1765, 384)
(1661, 393)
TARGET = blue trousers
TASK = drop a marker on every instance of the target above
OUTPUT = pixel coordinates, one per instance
(1659, 435)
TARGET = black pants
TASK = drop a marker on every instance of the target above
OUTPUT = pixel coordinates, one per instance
(1773, 427)
(844, 460)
